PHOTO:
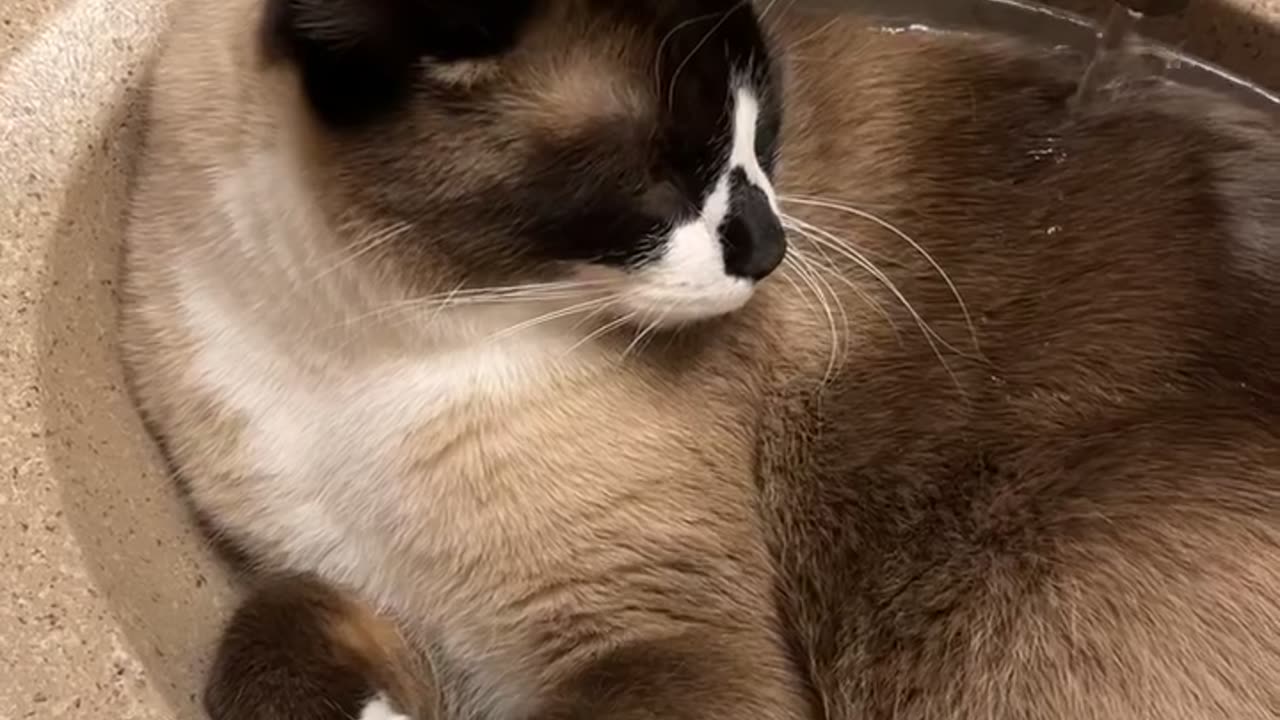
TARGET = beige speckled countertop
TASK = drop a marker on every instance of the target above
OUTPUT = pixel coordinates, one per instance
(96, 564)
(108, 599)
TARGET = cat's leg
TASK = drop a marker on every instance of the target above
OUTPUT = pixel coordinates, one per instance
(300, 650)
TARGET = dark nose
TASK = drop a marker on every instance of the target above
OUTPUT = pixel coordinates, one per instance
(754, 241)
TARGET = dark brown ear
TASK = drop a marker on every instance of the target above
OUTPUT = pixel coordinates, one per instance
(357, 57)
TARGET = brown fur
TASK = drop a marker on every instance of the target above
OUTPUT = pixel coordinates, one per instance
(1084, 522)
(300, 649)
(1071, 512)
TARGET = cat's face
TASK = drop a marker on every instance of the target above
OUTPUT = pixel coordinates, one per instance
(627, 142)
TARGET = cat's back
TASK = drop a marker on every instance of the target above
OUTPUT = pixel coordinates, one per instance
(1061, 498)
(1130, 234)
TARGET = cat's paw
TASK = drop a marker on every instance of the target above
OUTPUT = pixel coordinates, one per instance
(379, 709)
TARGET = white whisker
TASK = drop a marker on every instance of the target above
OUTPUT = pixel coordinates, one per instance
(601, 331)
(807, 276)
(446, 302)
(549, 317)
(763, 15)
(362, 247)
(841, 343)
(790, 262)
(590, 316)
(657, 63)
(639, 343)
(812, 201)
(823, 28)
(834, 242)
(565, 290)
(830, 267)
(675, 77)
(816, 235)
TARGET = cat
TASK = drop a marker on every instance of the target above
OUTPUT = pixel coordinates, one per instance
(688, 359)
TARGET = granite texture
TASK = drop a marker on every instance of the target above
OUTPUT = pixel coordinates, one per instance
(101, 576)
(109, 601)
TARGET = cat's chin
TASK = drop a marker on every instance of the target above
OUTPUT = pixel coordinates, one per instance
(671, 308)
(658, 298)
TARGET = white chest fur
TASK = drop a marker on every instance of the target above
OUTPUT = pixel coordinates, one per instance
(325, 454)
(334, 469)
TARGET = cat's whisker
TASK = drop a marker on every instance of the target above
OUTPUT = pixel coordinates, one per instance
(789, 262)
(642, 338)
(828, 265)
(675, 77)
(662, 319)
(362, 247)
(641, 333)
(528, 291)
(840, 336)
(437, 309)
(807, 277)
(935, 341)
(881, 259)
(662, 46)
(601, 331)
(590, 316)
(826, 238)
(437, 303)
(823, 28)
(550, 317)
(764, 13)
(813, 201)
(446, 302)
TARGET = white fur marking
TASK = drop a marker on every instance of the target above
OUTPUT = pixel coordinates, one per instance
(689, 281)
(320, 434)
(746, 117)
(379, 709)
(326, 452)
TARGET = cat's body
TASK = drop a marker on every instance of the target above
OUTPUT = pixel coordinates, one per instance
(1057, 499)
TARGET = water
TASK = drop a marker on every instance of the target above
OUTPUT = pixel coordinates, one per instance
(1115, 33)
(1051, 27)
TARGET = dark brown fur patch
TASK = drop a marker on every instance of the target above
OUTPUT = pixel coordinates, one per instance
(301, 650)
(1079, 517)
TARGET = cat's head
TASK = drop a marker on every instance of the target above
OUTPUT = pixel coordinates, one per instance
(631, 142)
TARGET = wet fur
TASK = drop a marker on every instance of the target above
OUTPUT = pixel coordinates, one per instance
(1070, 510)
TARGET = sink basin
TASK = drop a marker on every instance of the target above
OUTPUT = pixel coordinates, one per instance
(111, 601)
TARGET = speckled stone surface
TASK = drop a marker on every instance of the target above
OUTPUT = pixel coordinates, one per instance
(108, 602)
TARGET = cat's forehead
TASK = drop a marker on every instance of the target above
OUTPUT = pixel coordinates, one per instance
(705, 40)
(679, 62)
(698, 41)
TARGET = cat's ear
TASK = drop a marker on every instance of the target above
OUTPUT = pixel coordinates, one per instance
(357, 58)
